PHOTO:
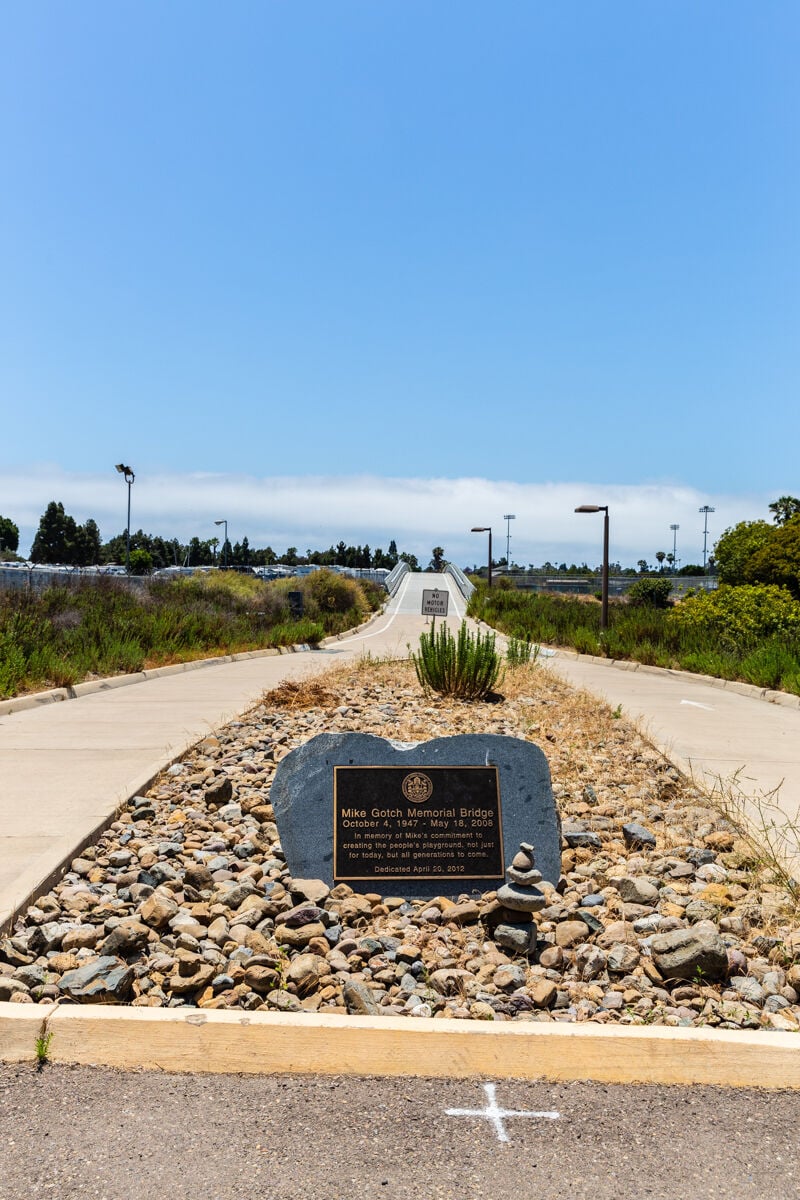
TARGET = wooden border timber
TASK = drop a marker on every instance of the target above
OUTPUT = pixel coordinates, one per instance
(196, 1040)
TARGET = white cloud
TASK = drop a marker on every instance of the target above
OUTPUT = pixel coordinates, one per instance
(315, 511)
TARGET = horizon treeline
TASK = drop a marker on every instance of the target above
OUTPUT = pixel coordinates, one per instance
(60, 539)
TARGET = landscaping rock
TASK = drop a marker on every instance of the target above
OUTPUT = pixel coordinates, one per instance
(697, 953)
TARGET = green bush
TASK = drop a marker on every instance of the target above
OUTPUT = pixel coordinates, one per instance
(334, 593)
(58, 636)
(466, 667)
(739, 617)
(750, 633)
(652, 592)
(520, 650)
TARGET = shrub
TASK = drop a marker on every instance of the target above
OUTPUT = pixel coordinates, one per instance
(334, 593)
(778, 561)
(737, 616)
(736, 547)
(520, 651)
(652, 592)
(467, 667)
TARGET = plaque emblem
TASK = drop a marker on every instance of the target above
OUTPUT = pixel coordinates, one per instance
(417, 788)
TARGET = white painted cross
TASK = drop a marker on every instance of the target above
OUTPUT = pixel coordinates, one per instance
(497, 1115)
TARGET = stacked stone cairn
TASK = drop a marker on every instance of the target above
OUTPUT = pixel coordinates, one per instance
(517, 900)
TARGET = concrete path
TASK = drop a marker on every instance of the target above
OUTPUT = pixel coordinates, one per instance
(711, 731)
(65, 768)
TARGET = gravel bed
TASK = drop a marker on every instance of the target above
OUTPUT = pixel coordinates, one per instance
(660, 916)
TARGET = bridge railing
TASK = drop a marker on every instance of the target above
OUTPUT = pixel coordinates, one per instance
(460, 580)
(395, 577)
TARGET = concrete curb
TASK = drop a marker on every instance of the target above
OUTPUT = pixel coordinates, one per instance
(56, 695)
(784, 699)
(212, 1041)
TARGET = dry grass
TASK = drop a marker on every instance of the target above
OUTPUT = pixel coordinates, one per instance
(768, 837)
(300, 694)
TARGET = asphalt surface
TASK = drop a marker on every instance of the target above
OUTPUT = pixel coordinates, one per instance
(92, 1132)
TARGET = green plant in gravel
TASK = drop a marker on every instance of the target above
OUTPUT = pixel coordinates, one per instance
(42, 1044)
(467, 667)
(520, 650)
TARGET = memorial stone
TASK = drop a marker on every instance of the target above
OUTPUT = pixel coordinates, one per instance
(415, 819)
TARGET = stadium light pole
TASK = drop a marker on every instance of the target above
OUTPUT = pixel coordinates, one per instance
(674, 529)
(706, 509)
(603, 508)
(225, 543)
(508, 518)
(486, 529)
(129, 477)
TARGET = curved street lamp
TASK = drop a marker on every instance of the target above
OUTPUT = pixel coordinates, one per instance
(486, 529)
(603, 508)
(129, 478)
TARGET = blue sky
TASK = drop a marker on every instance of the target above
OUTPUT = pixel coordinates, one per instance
(277, 255)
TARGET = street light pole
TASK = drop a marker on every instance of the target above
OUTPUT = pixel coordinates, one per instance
(706, 509)
(225, 543)
(129, 478)
(603, 508)
(508, 518)
(486, 529)
(674, 529)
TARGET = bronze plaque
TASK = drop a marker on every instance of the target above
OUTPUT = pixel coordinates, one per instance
(416, 823)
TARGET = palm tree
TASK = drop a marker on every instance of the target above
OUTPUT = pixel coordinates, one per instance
(660, 555)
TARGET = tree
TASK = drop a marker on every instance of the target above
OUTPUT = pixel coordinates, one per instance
(141, 562)
(660, 556)
(56, 536)
(9, 535)
(437, 559)
(784, 509)
(87, 545)
(650, 593)
(391, 554)
(671, 561)
(642, 565)
(736, 547)
(778, 560)
(411, 559)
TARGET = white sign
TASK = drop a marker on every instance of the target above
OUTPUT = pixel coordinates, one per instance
(434, 602)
